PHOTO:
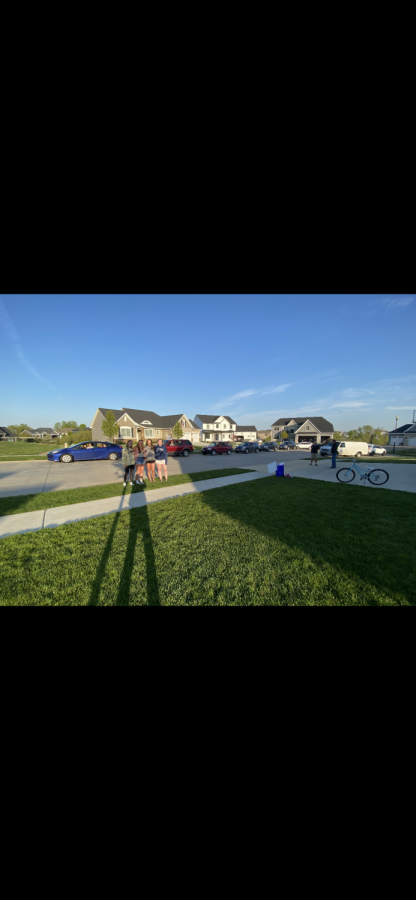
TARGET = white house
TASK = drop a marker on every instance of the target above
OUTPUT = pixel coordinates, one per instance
(222, 428)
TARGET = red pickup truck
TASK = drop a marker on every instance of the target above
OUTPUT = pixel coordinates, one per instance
(179, 447)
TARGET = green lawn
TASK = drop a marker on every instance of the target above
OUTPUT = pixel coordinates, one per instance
(22, 451)
(269, 542)
(31, 502)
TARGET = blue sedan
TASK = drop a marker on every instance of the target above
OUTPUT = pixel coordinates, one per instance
(87, 450)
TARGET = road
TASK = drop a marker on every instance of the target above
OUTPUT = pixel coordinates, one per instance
(17, 478)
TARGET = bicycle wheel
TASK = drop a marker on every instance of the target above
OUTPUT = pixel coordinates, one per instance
(345, 476)
(378, 476)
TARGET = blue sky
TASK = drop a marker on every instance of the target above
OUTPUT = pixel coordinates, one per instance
(350, 358)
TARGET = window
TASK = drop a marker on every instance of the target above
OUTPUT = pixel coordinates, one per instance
(307, 428)
(126, 432)
(182, 423)
(148, 432)
(157, 433)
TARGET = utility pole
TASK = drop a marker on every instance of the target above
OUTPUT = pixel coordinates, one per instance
(395, 436)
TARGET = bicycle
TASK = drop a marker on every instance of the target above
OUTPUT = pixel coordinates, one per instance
(374, 476)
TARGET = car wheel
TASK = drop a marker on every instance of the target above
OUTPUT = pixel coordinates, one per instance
(213, 452)
(257, 451)
(246, 451)
(357, 455)
(228, 452)
(113, 456)
(185, 453)
(67, 458)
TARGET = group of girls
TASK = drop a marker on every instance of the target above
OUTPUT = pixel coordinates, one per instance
(144, 454)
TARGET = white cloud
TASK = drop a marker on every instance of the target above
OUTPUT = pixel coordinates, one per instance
(398, 302)
(14, 339)
(229, 401)
(401, 407)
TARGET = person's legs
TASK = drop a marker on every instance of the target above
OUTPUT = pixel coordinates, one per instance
(126, 475)
(334, 460)
(131, 468)
(166, 471)
(141, 471)
(151, 471)
(160, 466)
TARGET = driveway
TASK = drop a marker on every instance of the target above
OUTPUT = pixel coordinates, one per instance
(401, 477)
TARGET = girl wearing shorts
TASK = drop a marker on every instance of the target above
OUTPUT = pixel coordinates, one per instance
(128, 460)
(161, 454)
(150, 459)
(140, 462)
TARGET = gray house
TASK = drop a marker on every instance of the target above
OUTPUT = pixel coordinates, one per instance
(6, 434)
(302, 428)
(406, 436)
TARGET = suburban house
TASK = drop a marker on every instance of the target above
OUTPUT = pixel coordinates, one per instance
(223, 428)
(140, 424)
(304, 429)
(406, 436)
(6, 434)
(41, 432)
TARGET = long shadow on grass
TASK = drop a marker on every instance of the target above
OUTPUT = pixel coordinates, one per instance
(138, 524)
(365, 534)
(95, 592)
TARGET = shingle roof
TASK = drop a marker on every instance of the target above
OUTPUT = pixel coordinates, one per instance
(46, 430)
(193, 425)
(7, 431)
(117, 412)
(208, 419)
(246, 428)
(231, 421)
(402, 429)
(147, 415)
(320, 423)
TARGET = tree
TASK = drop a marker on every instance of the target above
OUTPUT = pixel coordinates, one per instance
(18, 428)
(177, 431)
(284, 435)
(338, 436)
(83, 425)
(109, 427)
(70, 424)
(57, 426)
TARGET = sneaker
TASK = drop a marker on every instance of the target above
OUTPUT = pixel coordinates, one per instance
(124, 484)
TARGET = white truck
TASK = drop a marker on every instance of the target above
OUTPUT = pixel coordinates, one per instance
(353, 448)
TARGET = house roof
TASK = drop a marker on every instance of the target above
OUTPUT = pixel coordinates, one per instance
(411, 427)
(147, 415)
(231, 421)
(7, 431)
(320, 423)
(104, 411)
(46, 430)
(28, 431)
(246, 428)
(208, 419)
(193, 425)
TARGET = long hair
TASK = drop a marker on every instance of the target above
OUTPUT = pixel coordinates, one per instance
(149, 440)
(138, 444)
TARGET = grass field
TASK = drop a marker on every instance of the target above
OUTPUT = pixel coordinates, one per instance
(270, 542)
(21, 451)
(31, 502)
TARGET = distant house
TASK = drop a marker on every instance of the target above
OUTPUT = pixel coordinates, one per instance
(6, 434)
(140, 424)
(41, 432)
(302, 428)
(404, 437)
(222, 428)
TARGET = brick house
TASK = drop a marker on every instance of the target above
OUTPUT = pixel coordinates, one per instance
(140, 424)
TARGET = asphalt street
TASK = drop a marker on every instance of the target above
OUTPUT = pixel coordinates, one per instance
(17, 478)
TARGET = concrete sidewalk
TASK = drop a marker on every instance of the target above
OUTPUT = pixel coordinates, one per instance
(65, 515)
(401, 477)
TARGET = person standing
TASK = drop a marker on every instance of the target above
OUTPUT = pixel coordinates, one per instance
(161, 454)
(128, 460)
(314, 453)
(334, 453)
(140, 462)
(149, 454)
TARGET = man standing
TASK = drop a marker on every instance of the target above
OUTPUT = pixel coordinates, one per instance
(334, 450)
(314, 453)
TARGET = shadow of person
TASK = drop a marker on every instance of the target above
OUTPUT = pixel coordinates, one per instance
(139, 525)
(95, 591)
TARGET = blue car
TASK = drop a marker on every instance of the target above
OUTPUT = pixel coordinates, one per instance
(86, 450)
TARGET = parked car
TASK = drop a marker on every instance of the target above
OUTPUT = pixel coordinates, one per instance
(376, 450)
(248, 447)
(85, 451)
(269, 445)
(288, 445)
(179, 447)
(218, 447)
(305, 445)
(326, 450)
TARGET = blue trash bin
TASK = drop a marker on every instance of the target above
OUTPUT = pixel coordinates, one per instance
(280, 469)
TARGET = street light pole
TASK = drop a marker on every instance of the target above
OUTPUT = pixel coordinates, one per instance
(395, 436)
